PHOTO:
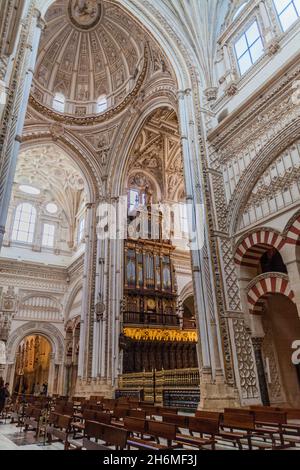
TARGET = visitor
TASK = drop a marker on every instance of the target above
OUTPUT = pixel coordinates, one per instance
(45, 388)
(4, 395)
(37, 389)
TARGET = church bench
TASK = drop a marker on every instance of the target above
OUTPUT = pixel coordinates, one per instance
(91, 445)
(157, 430)
(110, 435)
(61, 430)
(78, 424)
(32, 419)
(209, 415)
(205, 427)
(276, 421)
(242, 429)
(164, 410)
(137, 414)
(179, 420)
(246, 421)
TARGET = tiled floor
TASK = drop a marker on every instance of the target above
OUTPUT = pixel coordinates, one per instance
(12, 438)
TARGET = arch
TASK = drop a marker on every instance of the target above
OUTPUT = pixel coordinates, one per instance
(74, 149)
(264, 285)
(292, 229)
(23, 228)
(187, 291)
(132, 129)
(49, 331)
(250, 249)
(75, 290)
(150, 177)
(268, 154)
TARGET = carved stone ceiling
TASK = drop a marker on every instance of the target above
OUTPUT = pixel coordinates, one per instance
(157, 152)
(89, 48)
(47, 168)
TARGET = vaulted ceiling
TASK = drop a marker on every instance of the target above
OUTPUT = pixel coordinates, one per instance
(89, 49)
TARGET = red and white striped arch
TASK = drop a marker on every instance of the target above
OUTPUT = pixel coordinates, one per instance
(271, 284)
(293, 235)
(251, 249)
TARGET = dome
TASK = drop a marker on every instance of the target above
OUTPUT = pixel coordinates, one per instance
(91, 52)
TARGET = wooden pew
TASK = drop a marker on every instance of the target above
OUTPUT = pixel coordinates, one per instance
(61, 430)
(215, 415)
(180, 421)
(267, 419)
(207, 428)
(109, 435)
(136, 426)
(137, 414)
(156, 430)
(241, 427)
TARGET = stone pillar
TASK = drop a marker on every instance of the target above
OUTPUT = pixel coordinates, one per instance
(14, 112)
(272, 44)
(86, 321)
(51, 376)
(257, 347)
(215, 392)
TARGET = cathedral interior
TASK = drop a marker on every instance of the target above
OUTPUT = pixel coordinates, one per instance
(150, 224)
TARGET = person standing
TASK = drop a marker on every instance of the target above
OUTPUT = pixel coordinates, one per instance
(4, 395)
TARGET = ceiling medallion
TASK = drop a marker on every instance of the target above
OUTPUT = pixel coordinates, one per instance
(85, 14)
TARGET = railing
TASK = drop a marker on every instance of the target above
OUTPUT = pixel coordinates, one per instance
(139, 381)
(156, 383)
(148, 318)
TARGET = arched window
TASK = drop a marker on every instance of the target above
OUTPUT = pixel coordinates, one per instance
(24, 223)
(101, 104)
(59, 102)
(239, 10)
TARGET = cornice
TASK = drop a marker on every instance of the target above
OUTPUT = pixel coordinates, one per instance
(260, 100)
(94, 119)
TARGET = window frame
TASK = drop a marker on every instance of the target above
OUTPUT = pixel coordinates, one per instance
(278, 15)
(44, 245)
(56, 100)
(100, 102)
(31, 234)
(246, 27)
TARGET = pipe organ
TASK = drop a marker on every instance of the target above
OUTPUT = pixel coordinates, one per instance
(152, 336)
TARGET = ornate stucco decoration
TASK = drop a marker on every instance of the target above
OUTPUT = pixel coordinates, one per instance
(90, 49)
(85, 14)
(149, 334)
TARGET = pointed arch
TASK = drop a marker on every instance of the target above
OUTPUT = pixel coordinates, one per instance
(263, 286)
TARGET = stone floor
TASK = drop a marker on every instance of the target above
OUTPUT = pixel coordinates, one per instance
(13, 438)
